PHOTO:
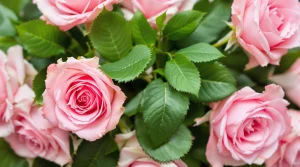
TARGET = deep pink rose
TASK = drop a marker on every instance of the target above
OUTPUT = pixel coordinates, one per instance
(132, 154)
(82, 99)
(69, 13)
(247, 127)
(154, 8)
(288, 154)
(35, 137)
(290, 81)
(266, 29)
(16, 76)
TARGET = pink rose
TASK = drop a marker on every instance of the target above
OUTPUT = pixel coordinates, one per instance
(36, 137)
(247, 127)
(132, 154)
(68, 13)
(266, 29)
(154, 8)
(15, 81)
(290, 81)
(82, 99)
(288, 154)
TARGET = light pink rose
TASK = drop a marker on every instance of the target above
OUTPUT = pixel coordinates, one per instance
(68, 13)
(15, 81)
(82, 99)
(288, 154)
(154, 8)
(132, 154)
(290, 81)
(266, 29)
(35, 137)
(247, 127)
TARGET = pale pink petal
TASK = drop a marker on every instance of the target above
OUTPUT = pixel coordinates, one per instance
(49, 108)
(24, 98)
(16, 62)
(6, 128)
(19, 148)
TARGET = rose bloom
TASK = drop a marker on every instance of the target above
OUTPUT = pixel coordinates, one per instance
(16, 76)
(154, 8)
(35, 137)
(290, 81)
(288, 154)
(82, 99)
(266, 29)
(132, 154)
(68, 13)
(247, 127)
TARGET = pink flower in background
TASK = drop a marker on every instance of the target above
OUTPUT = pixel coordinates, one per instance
(266, 29)
(288, 154)
(82, 99)
(290, 81)
(16, 76)
(247, 127)
(69, 13)
(35, 137)
(154, 8)
(132, 154)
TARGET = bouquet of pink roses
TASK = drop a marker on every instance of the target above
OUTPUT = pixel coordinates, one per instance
(149, 83)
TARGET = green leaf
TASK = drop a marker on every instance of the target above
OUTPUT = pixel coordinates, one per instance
(182, 24)
(201, 52)
(42, 40)
(153, 59)
(164, 110)
(39, 86)
(196, 110)
(14, 5)
(287, 61)
(217, 82)
(118, 9)
(242, 79)
(212, 25)
(160, 20)
(236, 60)
(31, 12)
(111, 36)
(82, 40)
(260, 74)
(175, 148)
(9, 158)
(133, 106)
(183, 75)
(7, 42)
(160, 71)
(142, 32)
(41, 63)
(97, 153)
(190, 161)
(39, 162)
(6, 18)
(131, 66)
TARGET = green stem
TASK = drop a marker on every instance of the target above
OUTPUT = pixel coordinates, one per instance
(159, 42)
(224, 40)
(170, 55)
(220, 43)
(154, 75)
(123, 126)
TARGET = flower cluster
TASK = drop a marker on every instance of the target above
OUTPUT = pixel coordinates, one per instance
(141, 73)
(22, 123)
